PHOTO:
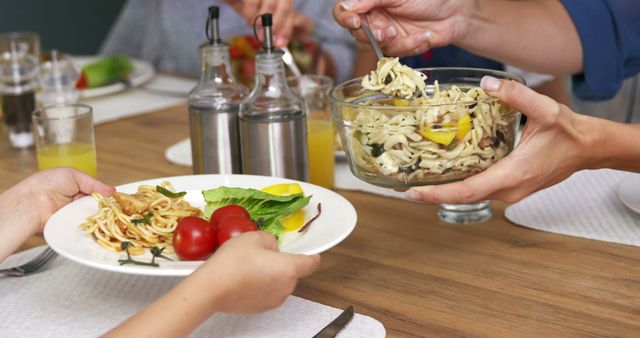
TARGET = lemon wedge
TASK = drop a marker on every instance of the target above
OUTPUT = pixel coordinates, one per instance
(449, 131)
(444, 135)
(464, 125)
(283, 189)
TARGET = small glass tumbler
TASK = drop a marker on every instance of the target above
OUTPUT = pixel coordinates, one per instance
(314, 90)
(65, 138)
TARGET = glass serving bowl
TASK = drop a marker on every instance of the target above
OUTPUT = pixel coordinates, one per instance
(399, 144)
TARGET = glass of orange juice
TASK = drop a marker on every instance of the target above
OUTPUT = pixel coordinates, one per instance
(314, 89)
(64, 137)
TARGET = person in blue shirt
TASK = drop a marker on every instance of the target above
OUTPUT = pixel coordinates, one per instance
(167, 33)
(596, 41)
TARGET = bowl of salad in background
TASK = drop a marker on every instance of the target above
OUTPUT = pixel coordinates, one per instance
(453, 133)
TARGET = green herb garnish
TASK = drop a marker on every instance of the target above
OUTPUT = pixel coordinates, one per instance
(144, 220)
(155, 252)
(169, 193)
(125, 246)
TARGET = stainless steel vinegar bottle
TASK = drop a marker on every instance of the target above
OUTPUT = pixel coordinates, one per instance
(273, 126)
(214, 105)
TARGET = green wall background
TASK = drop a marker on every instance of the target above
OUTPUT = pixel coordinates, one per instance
(72, 26)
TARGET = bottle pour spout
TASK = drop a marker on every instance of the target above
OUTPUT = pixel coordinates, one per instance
(267, 26)
(212, 28)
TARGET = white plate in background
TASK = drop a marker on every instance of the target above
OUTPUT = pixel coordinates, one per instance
(142, 73)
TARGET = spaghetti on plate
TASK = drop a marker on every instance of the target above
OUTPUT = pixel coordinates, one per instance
(146, 219)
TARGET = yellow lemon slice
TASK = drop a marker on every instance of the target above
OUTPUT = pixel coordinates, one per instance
(464, 125)
(296, 219)
(283, 189)
(444, 135)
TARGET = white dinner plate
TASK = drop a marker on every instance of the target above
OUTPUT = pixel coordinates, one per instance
(142, 73)
(629, 192)
(63, 234)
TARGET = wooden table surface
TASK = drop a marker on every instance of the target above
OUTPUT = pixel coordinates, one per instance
(418, 276)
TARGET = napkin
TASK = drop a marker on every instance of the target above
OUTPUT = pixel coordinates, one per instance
(585, 205)
(70, 300)
(180, 153)
(163, 91)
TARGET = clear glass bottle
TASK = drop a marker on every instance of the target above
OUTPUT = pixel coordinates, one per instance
(214, 105)
(273, 127)
(17, 86)
(58, 77)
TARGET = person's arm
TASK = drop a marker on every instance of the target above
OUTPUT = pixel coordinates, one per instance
(246, 275)
(555, 143)
(615, 145)
(336, 44)
(538, 36)
(27, 206)
(535, 35)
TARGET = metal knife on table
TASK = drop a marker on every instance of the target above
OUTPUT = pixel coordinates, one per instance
(333, 328)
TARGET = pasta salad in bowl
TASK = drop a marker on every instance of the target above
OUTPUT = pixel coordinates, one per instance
(439, 131)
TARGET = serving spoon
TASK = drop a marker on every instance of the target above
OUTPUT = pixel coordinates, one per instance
(305, 84)
(372, 41)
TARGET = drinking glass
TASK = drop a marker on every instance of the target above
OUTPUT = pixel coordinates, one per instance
(64, 137)
(314, 90)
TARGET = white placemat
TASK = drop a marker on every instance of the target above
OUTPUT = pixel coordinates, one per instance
(180, 153)
(71, 300)
(163, 91)
(585, 205)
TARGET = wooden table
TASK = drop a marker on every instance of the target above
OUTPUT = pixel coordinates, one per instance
(416, 275)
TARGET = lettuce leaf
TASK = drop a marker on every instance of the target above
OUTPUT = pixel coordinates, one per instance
(265, 209)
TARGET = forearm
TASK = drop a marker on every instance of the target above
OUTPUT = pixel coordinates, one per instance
(536, 35)
(614, 145)
(177, 313)
(19, 221)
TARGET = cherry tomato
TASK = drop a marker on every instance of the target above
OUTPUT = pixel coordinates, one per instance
(194, 239)
(228, 211)
(233, 226)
